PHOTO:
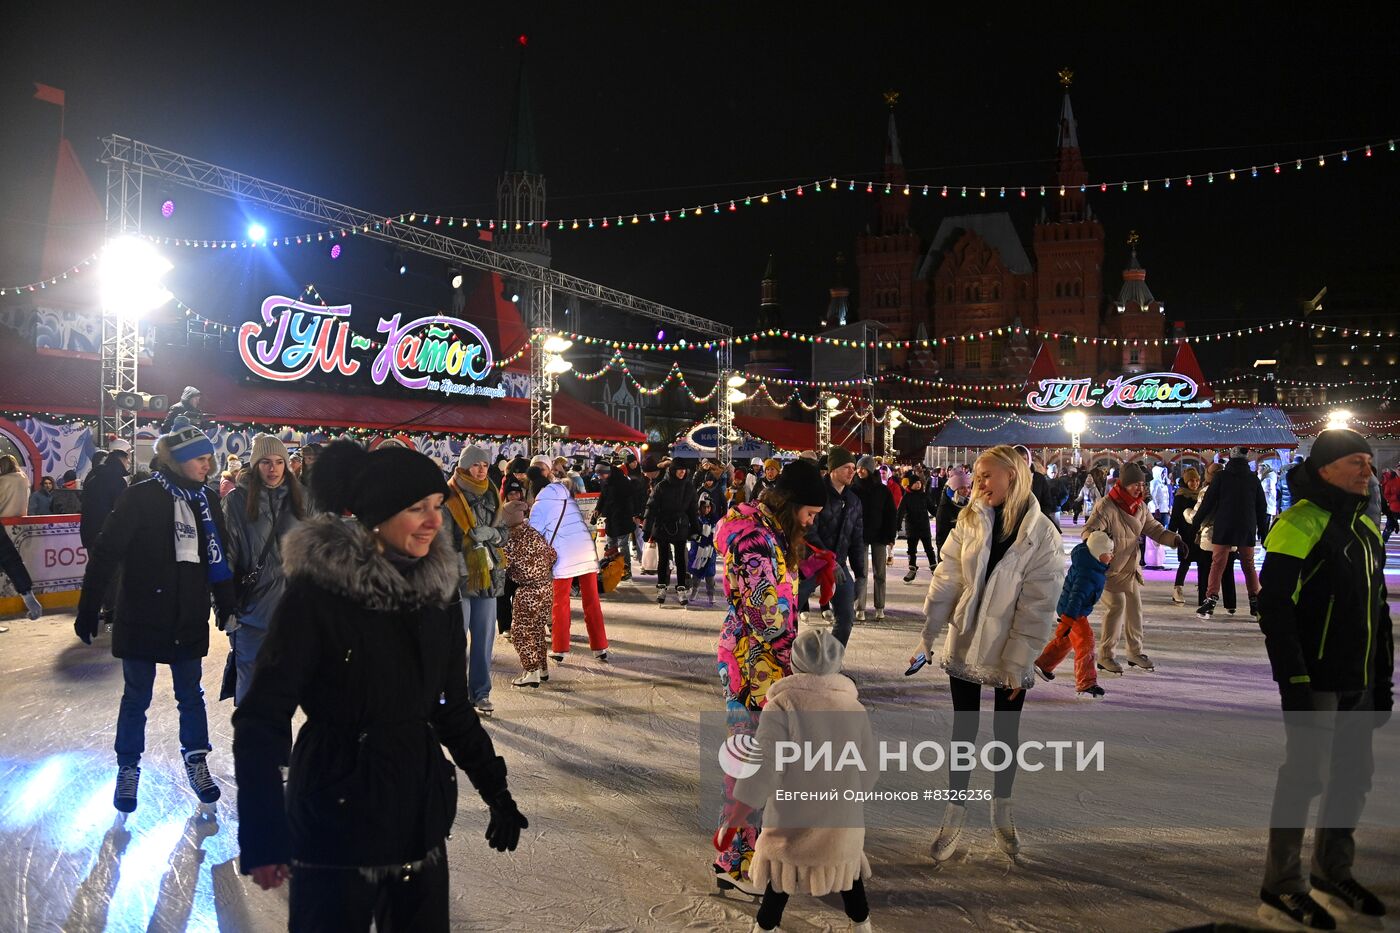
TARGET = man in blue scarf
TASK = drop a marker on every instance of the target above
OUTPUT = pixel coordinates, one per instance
(165, 539)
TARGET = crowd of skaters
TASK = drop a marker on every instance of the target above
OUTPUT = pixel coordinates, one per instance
(305, 556)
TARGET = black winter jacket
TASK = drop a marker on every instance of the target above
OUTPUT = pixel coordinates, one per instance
(162, 610)
(376, 657)
(840, 526)
(878, 513)
(100, 493)
(1322, 602)
(947, 517)
(615, 504)
(671, 514)
(914, 512)
(1235, 502)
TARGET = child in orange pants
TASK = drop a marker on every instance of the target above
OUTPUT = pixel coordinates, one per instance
(1088, 570)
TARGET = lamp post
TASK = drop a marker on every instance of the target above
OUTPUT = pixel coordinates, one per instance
(1075, 423)
(130, 274)
(829, 405)
(544, 433)
(892, 420)
(727, 394)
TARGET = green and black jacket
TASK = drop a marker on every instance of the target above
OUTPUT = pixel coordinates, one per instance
(1323, 600)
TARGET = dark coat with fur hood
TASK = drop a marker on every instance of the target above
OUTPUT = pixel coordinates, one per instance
(376, 657)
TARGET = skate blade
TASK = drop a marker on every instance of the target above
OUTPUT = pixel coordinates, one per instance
(1347, 918)
(1105, 672)
(1139, 667)
(207, 810)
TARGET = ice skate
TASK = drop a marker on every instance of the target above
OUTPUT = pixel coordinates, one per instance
(945, 844)
(879, 615)
(201, 781)
(863, 927)
(828, 615)
(683, 595)
(1204, 610)
(909, 577)
(601, 654)
(660, 594)
(1178, 596)
(1004, 827)
(758, 929)
(557, 658)
(32, 604)
(1141, 662)
(1111, 667)
(1294, 912)
(1349, 899)
(484, 707)
(1092, 692)
(727, 882)
(1044, 674)
(1253, 606)
(710, 591)
(860, 615)
(128, 780)
(527, 679)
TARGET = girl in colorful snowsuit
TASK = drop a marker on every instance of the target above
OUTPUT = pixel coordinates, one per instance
(762, 544)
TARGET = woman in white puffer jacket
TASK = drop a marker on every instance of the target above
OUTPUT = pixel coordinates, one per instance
(555, 514)
(995, 588)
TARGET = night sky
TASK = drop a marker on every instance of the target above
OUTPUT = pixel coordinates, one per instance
(637, 109)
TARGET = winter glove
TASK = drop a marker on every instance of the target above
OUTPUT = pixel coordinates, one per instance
(485, 534)
(1296, 697)
(736, 814)
(503, 832)
(86, 625)
(228, 624)
(1384, 702)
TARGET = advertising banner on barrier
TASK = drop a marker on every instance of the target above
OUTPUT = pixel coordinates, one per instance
(52, 553)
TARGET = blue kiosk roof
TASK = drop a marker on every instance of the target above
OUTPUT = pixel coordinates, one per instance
(1225, 427)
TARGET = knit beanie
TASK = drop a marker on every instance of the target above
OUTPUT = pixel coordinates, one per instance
(183, 444)
(518, 465)
(1132, 473)
(69, 478)
(265, 446)
(1099, 542)
(1335, 444)
(803, 483)
(839, 457)
(773, 463)
(816, 651)
(867, 463)
(808, 455)
(374, 486)
(472, 455)
(514, 513)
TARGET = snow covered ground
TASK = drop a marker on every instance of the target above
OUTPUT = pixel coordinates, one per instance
(604, 762)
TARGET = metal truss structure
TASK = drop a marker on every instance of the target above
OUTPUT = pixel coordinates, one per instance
(130, 161)
(121, 343)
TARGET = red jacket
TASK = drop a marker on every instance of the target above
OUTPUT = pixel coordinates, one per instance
(1390, 491)
(895, 489)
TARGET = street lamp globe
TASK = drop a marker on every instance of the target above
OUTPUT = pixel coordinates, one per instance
(1338, 420)
(833, 402)
(1076, 422)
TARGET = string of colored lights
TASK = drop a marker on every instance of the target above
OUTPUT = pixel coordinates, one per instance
(735, 204)
(664, 346)
(1306, 384)
(51, 280)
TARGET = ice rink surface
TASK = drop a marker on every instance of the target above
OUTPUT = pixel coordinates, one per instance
(604, 762)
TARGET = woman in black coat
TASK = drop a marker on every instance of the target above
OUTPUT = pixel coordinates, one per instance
(168, 571)
(368, 641)
(617, 510)
(670, 521)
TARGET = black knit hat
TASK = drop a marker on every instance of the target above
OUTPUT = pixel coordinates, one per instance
(839, 457)
(374, 486)
(802, 483)
(1335, 444)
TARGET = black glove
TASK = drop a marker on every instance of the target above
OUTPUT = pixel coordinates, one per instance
(503, 832)
(86, 626)
(1296, 697)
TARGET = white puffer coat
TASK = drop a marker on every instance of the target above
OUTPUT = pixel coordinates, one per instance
(1161, 491)
(554, 507)
(997, 624)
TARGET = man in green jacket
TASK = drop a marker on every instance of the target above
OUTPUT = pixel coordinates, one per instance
(1328, 633)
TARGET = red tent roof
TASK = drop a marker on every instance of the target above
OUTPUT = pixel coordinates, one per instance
(1185, 364)
(799, 435)
(1042, 368)
(41, 383)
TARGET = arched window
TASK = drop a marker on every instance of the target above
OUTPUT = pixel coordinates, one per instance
(1067, 349)
(972, 354)
(994, 352)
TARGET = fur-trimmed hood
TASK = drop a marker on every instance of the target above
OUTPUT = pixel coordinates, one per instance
(341, 556)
